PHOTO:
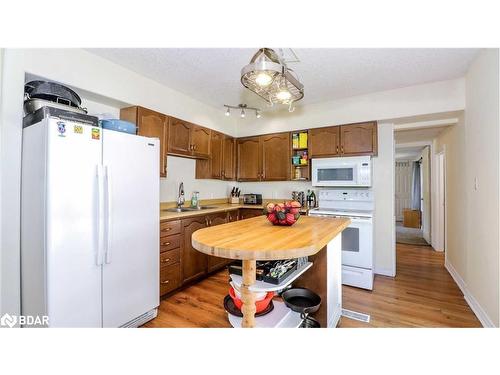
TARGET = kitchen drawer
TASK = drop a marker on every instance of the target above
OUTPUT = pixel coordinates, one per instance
(170, 278)
(170, 257)
(170, 242)
(168, 228)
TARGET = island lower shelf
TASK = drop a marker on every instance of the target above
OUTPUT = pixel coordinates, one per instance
(262, 286)
(281, 317)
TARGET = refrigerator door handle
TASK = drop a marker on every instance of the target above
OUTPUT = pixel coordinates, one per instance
(100, 214)
(107, 256)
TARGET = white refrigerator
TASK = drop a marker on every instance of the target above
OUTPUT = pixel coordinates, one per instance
(89, 222)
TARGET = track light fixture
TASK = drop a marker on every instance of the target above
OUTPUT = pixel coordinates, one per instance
(243, 108)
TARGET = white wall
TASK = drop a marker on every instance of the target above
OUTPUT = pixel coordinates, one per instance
(183, 170)
(411, 101)
(482, 148)
(384, 190)
(100, 79)
(472, 151)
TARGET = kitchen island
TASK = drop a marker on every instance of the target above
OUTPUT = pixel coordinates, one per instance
(257, 239)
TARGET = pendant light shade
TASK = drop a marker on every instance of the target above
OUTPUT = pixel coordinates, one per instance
(269, 77)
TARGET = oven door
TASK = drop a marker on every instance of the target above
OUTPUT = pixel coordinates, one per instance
(334, 174)
(357, 243)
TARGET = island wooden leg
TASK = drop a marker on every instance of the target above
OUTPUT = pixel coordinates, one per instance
(247, 297)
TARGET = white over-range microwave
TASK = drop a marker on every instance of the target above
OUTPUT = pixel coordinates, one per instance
(355, 171)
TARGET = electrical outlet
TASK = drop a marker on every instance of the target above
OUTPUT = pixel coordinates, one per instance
(476, 184)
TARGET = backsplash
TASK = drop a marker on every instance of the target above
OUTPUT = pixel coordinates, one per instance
(274, 190)
(183, 170)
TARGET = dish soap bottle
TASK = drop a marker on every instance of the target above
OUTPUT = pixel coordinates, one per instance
(194, 199)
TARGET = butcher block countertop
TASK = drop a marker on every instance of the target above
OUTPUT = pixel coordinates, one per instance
(258, 239)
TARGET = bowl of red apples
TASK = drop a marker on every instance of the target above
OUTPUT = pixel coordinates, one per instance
(286, 213)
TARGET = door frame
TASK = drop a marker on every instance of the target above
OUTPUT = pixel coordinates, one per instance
(441, 213)
(432, 182)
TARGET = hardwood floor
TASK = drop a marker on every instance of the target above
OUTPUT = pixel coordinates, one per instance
(422, 294)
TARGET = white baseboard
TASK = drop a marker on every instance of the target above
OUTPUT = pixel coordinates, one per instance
(384, 272)
(469, 298)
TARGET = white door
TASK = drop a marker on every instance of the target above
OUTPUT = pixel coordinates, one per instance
(403, 188)
(357, 243)
(73, 269)
(131, 269)
(426, 196)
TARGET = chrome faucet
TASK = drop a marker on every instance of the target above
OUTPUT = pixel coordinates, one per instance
(180, 196)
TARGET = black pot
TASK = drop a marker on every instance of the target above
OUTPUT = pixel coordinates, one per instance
(301, 300)
(52, 91)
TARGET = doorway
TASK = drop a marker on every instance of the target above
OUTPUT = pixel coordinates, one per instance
(412, 195)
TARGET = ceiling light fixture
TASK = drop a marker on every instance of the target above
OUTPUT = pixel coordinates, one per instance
(243, 108)
(268, 76)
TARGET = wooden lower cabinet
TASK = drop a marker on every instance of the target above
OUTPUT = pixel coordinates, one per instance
(247, 213)
(170, 278)
(180, 263)
(232, 216)
(215, 263)
(194, 263)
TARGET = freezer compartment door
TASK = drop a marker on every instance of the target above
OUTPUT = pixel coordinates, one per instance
(131, 268)
(73, 273)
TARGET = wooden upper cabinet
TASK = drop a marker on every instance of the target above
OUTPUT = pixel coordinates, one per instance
(229, 158)
(249, 159)
(358, 139)
(276, 157)
(216, 151)
(150, 124)
(179, 140)
(324, 142)
(200, 141)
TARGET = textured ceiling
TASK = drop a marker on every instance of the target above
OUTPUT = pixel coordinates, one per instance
(212, 76)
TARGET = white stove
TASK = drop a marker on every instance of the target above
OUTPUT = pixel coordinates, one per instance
(357, 238)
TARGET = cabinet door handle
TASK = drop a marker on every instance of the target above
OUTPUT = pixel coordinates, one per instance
(337, 149)
(342, 149)
(165, 282)
(166, 260)
(210, 222)
(166, 243)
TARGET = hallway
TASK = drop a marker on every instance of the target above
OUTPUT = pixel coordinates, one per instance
(423, 294)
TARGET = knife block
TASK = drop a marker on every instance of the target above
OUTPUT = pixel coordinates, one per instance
(234, 200)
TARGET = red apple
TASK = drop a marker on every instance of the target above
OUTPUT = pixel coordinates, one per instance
(290, 218)
(270, 207)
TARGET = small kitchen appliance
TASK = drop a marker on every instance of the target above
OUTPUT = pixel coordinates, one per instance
(355, 171)
(252, 198)
(357, 238)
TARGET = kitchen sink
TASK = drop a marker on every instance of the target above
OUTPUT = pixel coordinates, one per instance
(187, 209)
(175, 209)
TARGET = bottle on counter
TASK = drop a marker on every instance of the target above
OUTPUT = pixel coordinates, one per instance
(195, 199)
(313, 200)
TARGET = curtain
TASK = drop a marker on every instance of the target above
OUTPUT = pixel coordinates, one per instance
(415, 190)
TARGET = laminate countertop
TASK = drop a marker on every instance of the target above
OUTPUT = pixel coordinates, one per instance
(220, 207)
(257, 239)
